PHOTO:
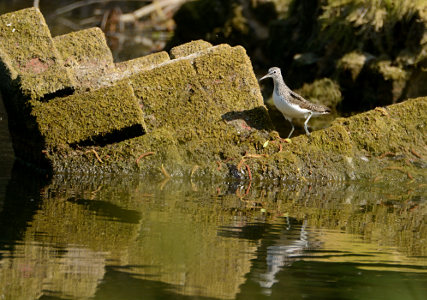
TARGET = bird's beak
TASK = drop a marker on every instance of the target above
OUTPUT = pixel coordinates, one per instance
(264, 77)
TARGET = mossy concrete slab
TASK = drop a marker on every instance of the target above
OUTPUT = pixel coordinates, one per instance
(131, 67)
(108, 114)
(136, 65)
(189, 48)
(387, 143)
(36, 63)
(199, 109)
(86, 54)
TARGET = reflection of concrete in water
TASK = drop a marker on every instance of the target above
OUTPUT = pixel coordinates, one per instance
(32, 270)
(286, 250)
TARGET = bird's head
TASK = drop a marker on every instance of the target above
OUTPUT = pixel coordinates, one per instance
(273, 72)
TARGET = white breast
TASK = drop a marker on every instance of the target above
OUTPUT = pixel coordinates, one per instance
(289, 111)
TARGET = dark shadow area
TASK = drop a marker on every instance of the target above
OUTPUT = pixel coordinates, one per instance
(256, 118)
(22, 199)
(251, 231)
(334, 280)
(122, 285)
(112, 137)
(58, 94)
(109, 210)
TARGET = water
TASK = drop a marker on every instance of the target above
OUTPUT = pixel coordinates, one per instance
(86, 237)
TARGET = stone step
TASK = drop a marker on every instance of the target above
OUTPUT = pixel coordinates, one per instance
(107, 115)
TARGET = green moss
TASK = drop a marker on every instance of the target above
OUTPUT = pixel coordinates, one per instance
(84, 45)
(390, 72)
(26, 39)
(198, 110)
(353, 63)
(83, 117)
(386, 130)
(333, 139)
(189, 48)
(323, 91)
(165, 99)
(87, 56)
(136, 65)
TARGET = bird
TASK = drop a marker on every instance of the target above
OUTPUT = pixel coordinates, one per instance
(290, 104)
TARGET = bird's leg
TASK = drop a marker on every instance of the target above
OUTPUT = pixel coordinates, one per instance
(292, 130)
(305, 123)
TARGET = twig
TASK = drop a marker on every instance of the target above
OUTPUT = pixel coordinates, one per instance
(164, 172)
(382, 111)
(240, 164)
(249, 172)
(415, 153)
(193, 170)
(36, 3)
(75, 5)
(255, 155)
(144, 155)
(396, 168)
(148, 9)
(247, 155)
(96, 154)
(386, 154)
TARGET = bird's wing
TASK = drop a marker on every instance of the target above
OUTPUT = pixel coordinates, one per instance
(301, 101)
(298, 97)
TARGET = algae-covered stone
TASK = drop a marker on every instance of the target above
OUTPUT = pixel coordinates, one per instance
(393, 76)
(198, 110)
(133, 66)
(353, 63)
(37, 65)
(164, 93)
(189, 48)
(323, 91)
(86, 54)
(105, 115)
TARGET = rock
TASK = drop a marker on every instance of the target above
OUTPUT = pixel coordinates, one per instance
(351, 64)
(322, 91)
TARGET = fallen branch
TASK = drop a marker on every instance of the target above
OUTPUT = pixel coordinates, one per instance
(148, 9)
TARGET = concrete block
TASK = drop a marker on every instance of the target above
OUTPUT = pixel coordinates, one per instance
(189, 48)
(106, 115)
(33, 60)
(86, 54)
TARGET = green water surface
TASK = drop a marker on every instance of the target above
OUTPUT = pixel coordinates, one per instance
(112, 237)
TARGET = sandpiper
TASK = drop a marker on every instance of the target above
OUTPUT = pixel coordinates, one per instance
(290, 104)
